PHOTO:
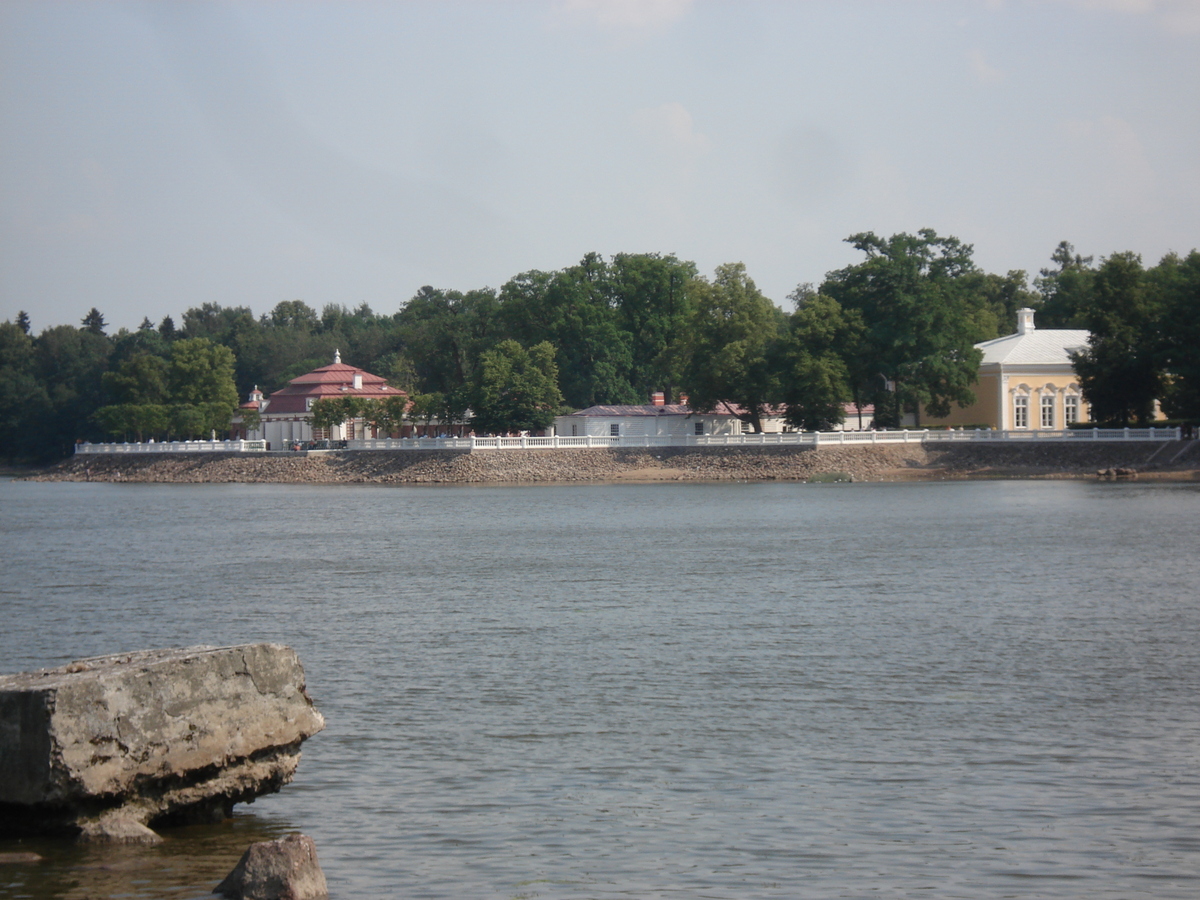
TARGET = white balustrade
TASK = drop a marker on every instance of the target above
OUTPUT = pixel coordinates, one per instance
(573, 442)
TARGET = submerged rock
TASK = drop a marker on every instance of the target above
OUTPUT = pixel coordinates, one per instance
(106, 747)
(286, 869)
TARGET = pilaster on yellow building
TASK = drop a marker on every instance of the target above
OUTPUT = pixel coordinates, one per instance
(1026, 381)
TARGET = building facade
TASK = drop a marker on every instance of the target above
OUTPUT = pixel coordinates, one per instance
(286, 415)
(1026, 381)
(647, 420)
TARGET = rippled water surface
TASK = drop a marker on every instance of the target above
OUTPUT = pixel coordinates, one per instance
(985, 689)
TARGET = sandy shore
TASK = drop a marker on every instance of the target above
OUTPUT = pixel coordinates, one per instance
(1173, 460)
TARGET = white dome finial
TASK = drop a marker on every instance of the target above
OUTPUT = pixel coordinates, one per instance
(337, 357)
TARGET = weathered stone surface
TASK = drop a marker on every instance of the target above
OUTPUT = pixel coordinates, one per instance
(106, 746)
(286, 869)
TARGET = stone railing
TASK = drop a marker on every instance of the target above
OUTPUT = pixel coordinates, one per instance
(563, 442)
(790, 439)
(176, 447)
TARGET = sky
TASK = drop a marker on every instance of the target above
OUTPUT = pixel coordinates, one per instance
(156, 156)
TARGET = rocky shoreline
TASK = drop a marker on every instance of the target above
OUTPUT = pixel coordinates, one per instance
(1173, 460)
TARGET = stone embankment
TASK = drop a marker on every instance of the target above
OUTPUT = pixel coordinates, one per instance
(880, 462)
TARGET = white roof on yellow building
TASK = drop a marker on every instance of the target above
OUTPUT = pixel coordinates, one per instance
(1033, 347)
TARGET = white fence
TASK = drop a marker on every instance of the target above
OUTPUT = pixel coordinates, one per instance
(794, 439)
(176, 447)
(560, 442)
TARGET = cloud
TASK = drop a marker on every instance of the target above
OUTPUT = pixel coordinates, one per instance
(628, 16)
(1177, 16)
(671, 127)
(986, 73)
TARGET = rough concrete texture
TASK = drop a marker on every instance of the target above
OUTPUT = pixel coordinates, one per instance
(106, 746)
(286, 869)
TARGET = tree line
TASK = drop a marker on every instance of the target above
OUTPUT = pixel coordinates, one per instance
(896, 329)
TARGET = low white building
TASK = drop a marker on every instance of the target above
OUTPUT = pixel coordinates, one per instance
(648, 420)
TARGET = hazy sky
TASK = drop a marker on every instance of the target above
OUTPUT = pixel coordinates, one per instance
(155, 156)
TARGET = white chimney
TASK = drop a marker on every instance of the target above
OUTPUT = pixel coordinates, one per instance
(358, 381)
(1025, 321)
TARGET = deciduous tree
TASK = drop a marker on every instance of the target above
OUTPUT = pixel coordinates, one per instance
(517, 388)
(732, 348)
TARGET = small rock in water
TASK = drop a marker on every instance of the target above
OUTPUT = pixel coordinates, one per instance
(286, 869)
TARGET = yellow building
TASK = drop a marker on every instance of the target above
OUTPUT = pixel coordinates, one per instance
(1026, 381)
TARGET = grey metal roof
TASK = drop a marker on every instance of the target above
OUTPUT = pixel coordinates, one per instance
(1046, 346)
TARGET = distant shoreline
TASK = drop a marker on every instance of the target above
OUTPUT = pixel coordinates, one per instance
(1166, 460)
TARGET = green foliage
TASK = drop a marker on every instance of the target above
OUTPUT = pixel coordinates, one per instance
(1120, 371)
(517, 388)
(733, 339)
(330, 411)
(615, 331)
(137, 380)
(1178, 283)
(24, 401)
(94, 323)
(815, 374)
(443, 334)
(1066, 291)
(572, 310)
(915, 295)
(653, 298)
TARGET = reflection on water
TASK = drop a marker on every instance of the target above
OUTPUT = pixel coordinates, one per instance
(189, 863)
(721, 691)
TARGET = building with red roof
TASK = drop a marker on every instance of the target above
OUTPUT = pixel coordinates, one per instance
(286, 415)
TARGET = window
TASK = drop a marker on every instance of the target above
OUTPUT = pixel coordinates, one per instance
(1048, 411)
(614, 429)
(1070, 410)
(1020, 412)
(699, 428)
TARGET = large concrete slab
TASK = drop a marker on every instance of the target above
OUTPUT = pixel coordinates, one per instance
(106, 746)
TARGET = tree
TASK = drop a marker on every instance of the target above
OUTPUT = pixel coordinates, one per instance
(1121, 369)
(1178, 281)
(70, 363)
(652, 295)
(442, 333)
(815, 373)
(200, 377)
(1066, 291)
(914, 293)
(294, 314)
(573, 310)
(23, 321)
(517, 389)
(732, 342)
(23, 397)
(140, 379)
(94, 322)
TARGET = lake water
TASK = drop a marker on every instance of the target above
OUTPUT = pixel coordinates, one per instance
(985, 689)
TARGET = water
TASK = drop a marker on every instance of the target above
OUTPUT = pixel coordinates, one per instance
(637, 691)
